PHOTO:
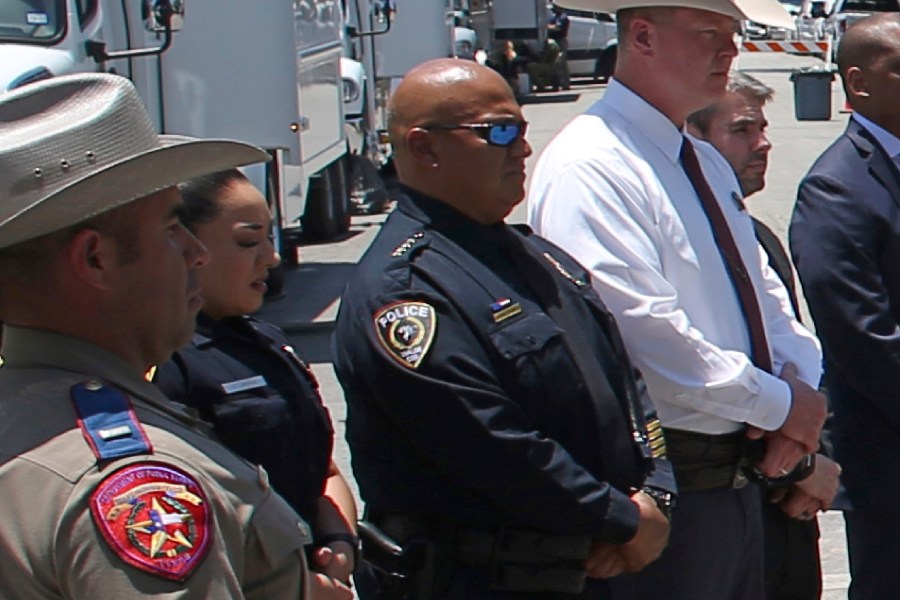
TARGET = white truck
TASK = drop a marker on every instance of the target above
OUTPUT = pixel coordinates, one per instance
(844, 13)
(592, 37)
(385, 39)
(266, 71)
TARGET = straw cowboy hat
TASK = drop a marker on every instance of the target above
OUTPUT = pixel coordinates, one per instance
(767, 12)
(77, 146)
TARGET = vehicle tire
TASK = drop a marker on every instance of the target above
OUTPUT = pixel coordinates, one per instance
(326, 205)
(367, 190)
(275, 282)
(339, 172)
(606, 65)
(288, 250)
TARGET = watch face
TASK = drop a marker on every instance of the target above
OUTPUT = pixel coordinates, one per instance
(665, 501)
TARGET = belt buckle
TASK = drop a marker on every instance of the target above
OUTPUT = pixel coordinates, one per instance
(740, 479)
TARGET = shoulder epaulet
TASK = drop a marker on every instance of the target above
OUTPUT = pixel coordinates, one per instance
(416, 238)
(562, 270)
(556, 257)
(108, 422)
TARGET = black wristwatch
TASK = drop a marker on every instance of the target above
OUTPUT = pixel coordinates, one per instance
(803, 470)
(665, 500)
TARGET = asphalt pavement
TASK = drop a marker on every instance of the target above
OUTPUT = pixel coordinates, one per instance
(313, 289)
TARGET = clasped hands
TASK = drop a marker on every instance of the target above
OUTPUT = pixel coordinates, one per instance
(798, 436)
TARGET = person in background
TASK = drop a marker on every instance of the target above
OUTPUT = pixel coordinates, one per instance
(499, 432)
(736, 126)
(542, 67)
(845, 240)
(656, 216)
(558, 31)
(506, 62)
(109, 490)
(245, 378)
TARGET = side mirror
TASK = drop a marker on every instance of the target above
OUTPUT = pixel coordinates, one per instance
(160, 16)
(381, 14)
(163, 15)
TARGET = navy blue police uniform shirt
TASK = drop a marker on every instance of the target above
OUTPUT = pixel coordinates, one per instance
(464, 403)
(246, 379)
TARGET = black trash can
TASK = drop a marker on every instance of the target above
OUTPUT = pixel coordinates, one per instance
(812, 94)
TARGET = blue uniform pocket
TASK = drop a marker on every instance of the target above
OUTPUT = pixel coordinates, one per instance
(530, 333)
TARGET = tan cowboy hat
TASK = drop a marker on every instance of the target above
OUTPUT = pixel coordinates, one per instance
(76, 146)
(767, 12)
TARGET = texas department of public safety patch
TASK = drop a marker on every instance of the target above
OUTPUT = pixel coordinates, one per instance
(406, 330)
(155, 517)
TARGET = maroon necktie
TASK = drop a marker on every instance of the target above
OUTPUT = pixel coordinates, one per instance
(734, 264)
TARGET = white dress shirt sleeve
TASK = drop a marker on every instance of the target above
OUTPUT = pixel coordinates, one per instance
(607, 218)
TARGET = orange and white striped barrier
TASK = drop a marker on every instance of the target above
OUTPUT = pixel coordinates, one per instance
(789, 46)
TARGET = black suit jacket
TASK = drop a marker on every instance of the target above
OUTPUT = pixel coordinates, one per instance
(845, 240)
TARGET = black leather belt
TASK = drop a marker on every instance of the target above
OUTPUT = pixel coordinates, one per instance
(477, 548)
(525, 560)
(703, 461)
(519, 559)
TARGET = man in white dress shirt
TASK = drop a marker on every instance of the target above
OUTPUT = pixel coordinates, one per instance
(723, 358)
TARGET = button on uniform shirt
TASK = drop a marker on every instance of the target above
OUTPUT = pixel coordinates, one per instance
(610, 190)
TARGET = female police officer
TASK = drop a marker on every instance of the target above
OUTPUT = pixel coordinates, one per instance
(245, 378)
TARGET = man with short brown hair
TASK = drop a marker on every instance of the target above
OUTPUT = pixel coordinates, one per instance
(736, 126)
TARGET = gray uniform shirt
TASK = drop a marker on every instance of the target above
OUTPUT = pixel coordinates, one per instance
(52, 546)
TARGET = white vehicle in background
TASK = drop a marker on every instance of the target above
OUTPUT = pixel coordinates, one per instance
(465, 42)
(466, 39)
(593, 44)
(267, 72)
(809, 21)
(592, 36)
(845, 13)
(384, 40)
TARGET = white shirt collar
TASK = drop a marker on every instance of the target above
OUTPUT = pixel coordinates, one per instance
(644, 117)
(888, 141)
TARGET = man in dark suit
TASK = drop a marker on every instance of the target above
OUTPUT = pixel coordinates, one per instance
(845, 239)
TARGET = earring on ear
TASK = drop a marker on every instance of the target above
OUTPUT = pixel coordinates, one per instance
(434, 165)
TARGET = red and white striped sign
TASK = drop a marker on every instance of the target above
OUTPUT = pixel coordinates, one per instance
(785, 46)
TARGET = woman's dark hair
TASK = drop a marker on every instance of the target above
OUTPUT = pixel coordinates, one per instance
(201, 196)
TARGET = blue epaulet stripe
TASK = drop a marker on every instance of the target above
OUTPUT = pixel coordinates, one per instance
(108, 422)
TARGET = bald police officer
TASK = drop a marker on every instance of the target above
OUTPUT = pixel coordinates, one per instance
(497, 429)
(108, 490)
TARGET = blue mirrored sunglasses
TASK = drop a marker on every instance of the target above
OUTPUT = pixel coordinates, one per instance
(495, 134)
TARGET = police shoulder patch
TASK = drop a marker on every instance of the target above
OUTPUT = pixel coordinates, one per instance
(155, 517)
(406, 330)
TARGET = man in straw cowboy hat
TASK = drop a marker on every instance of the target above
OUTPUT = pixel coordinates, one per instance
(658, 218)
(108, 490)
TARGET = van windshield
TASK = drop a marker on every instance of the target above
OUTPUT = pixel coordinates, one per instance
(31, 21)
